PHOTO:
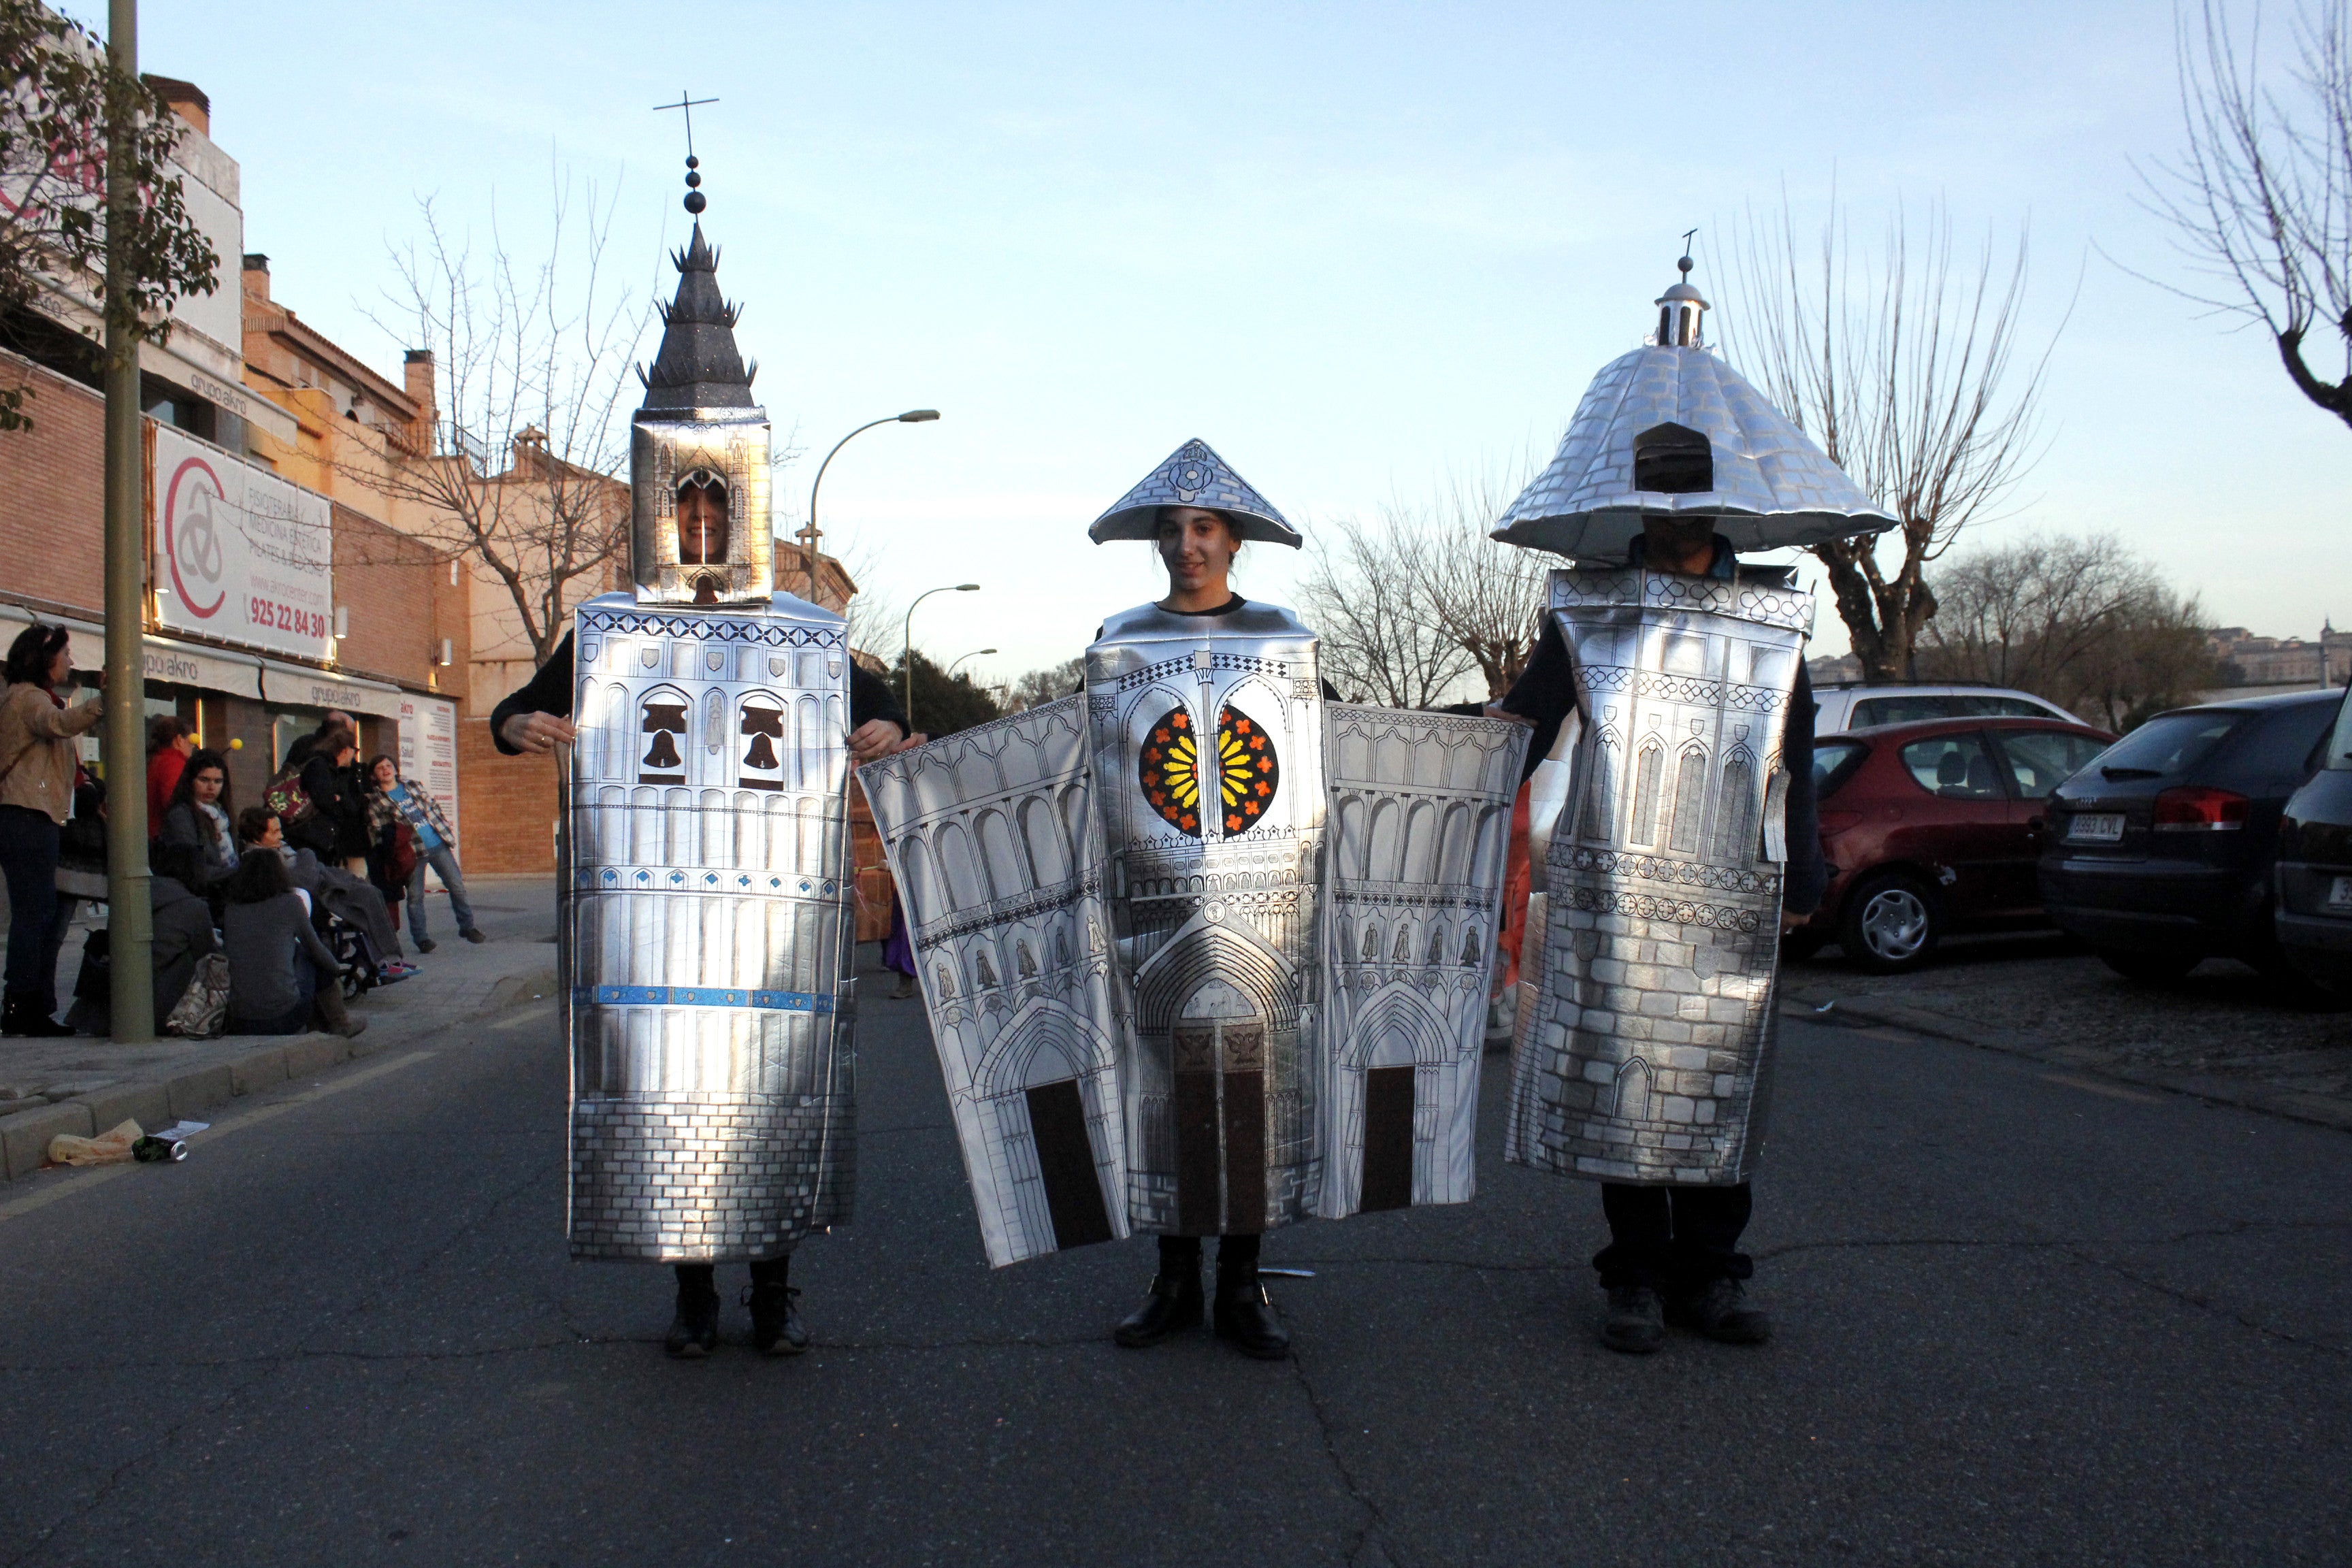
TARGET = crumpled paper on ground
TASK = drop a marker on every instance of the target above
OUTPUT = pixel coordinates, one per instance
(111, 1147)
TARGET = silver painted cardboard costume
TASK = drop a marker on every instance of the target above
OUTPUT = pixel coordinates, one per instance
(706, 916)
(1203, 952)
(1646, 1026)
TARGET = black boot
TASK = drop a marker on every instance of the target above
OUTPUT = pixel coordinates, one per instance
(1173, 1301)
(776, 1326)
(694, 1333)
(1720, 1311)
(1246, 1315)
(1636, 1323)
(25, 1016)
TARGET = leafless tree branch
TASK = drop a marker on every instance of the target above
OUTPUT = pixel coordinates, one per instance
(2259, 198)
(1904, 363)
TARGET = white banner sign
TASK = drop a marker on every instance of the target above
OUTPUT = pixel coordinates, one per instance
(428, 750)
(240, 555)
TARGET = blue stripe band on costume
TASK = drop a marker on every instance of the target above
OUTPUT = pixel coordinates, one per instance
(701, 996)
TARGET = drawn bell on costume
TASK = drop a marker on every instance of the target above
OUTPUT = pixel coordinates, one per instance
(706, 916)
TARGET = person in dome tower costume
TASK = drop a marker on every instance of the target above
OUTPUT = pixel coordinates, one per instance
(1204, 950)
(706, 918)
(1673, 831)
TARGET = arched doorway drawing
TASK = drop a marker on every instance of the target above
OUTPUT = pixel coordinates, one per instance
(1220, 1111)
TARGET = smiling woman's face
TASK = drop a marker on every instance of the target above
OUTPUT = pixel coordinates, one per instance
(701, 525)
(1196, 545)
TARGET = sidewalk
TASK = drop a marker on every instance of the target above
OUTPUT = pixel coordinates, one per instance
(85, 1085)
(2223, 1035)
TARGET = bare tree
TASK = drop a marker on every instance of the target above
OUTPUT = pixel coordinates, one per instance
(1050, 684)
(2260, 199)
(2081, 621)
(1487, 597)
(1904, 364)
(533, 361)
(1369, 591)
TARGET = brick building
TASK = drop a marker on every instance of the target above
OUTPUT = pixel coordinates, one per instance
(275, 591)
(2248, 660)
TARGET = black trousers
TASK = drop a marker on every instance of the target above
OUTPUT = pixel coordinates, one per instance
(1673, 1238)
(1178, 1252)
(37, 917)
(773, 1270)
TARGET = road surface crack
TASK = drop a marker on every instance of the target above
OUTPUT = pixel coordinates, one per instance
(1375, 1532)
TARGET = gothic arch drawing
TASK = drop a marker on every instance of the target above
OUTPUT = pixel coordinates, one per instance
(1690, 800)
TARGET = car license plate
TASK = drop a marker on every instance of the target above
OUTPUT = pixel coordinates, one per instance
(2095, 827)
(2339, 896)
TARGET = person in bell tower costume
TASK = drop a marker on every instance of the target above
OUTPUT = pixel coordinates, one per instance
(706, 725)
(1204, 950)
(1673, 827)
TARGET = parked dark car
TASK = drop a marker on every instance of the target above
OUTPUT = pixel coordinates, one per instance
(2314, 868)
(2163, 853)
(1932, 828)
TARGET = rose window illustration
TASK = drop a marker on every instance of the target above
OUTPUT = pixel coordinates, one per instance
(1173, 779)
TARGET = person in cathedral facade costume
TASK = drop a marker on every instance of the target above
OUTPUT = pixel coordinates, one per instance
(1205, 951)
(708, 723)
(1673, 830)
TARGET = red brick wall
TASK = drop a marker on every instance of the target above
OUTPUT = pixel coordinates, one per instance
(505, 806)
(402, 605)
(53, 491)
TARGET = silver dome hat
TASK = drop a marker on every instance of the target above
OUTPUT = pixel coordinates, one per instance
(1669, 429)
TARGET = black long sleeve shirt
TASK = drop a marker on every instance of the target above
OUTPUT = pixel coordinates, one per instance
(550, 691)
(1545, 694)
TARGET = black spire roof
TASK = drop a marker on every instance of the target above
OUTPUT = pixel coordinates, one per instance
(698, 367)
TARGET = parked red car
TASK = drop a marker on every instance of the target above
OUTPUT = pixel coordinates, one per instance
(1934, 827)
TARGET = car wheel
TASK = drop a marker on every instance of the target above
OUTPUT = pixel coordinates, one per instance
(2150, 966)
(1891, 923)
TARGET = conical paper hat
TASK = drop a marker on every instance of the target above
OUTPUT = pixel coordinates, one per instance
(1193, 476)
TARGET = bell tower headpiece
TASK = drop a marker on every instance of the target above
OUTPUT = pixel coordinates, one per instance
(700, 526)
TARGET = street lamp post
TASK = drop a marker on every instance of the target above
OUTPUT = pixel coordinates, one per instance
(907, 638)
(808, 540)
(976, 653)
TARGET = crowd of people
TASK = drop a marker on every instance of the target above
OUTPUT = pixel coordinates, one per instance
(300, 893)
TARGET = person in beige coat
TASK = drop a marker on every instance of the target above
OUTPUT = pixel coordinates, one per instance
(37, 767)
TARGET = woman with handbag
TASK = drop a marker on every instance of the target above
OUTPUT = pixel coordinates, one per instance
(38, 770)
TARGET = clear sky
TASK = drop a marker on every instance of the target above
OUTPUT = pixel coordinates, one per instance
(1355, 248)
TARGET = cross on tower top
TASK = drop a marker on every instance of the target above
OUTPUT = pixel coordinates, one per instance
(695, 200)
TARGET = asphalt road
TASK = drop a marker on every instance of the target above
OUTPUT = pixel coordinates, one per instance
(2024, 1317)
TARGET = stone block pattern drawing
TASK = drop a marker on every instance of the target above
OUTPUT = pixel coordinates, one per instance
(706, 917)
(1648, 1039)
(1420, 829)
(992, 838)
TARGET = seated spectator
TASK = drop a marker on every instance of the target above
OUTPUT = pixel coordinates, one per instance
(282, 978)
(184, 923)
(329, 889)
(197, 818)
(394, 801)
(170, 739)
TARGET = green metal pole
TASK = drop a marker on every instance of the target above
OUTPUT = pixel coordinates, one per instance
(129, 920)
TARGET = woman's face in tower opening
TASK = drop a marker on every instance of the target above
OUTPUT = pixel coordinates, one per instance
(701, 525)
(1196, 545)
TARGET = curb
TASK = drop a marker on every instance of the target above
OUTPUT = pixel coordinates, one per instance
(188, 1090)
(2319, 1109)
